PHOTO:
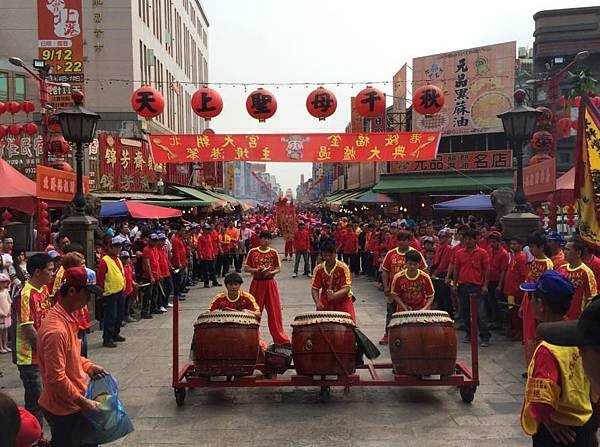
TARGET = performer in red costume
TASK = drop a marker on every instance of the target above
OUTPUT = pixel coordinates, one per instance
(263, 262)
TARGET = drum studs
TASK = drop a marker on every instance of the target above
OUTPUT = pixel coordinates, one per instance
(308, 344)
(397, 343)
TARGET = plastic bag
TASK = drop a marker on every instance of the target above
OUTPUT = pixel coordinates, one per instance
(110, 421)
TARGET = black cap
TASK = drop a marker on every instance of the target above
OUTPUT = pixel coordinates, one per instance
(582, 332)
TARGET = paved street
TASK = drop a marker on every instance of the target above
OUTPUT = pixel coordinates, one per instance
(296, 417)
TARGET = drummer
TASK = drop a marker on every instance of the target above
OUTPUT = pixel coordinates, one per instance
(234, 298)
(331, 283)
(412, 288)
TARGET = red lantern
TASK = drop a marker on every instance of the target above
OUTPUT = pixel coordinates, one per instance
(58, 146)
(321, 103)
(13, 107)
(546, 117)
(3, 130)
(571, 215)
(428, 99)
(54, 124)
(147, 102)
(15, 130)
(207, 103)
(562, 102)
(542, 139)
(370, 103)
(6, 217)
(2, 107)
(261, 104)
(27, 106)
(564, 125)
(30, 128)
(577, 101)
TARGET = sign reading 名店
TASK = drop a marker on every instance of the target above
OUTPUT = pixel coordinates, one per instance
(478, 84)
(54, 184)
(60, 44)
(319, 148)
(460, 161)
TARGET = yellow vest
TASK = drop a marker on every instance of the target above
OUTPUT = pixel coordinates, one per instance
(571, 401)
(114, 281)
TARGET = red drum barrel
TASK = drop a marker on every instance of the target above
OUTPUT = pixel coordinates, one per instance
(225, 343)
(422, 343)
(323, 343)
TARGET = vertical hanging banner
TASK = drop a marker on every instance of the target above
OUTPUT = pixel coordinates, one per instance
(315, 148)
(60, 44)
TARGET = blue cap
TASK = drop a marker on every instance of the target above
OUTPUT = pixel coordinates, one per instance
(162, 235)
(556, 236)
(551, 282)
(124, 254)
(54, 254)
(154, 237)
(117, 240)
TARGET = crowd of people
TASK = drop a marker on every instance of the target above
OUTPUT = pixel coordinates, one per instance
(141, 268)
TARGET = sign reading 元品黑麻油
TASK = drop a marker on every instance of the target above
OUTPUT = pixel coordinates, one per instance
(312, 148)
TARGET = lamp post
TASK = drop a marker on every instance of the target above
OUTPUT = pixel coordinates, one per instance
(519, 124)
(79, 126)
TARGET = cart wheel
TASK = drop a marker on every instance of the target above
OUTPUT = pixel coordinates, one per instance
(179, 396)
(325, 394)
(467, 393)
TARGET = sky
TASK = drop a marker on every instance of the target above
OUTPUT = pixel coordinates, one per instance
(329, 41)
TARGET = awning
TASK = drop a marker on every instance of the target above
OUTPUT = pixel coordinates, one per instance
(184, 203)
(137, 210)
(402, 183)
(335, 196)
(353, 196)
(477, 202)
(225, 197)
(374, 197)
(201, 196)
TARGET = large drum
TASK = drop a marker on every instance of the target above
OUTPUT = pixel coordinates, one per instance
(225, 343)
(422, 343)
(323, 343)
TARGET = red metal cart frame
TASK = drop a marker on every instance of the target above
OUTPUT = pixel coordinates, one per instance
(465, 379)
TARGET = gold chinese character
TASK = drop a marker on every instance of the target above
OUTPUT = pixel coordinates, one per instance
(399, 152)
(192, 153)
(324, 154)
(138, 160)
(216, 153)
(228, 141)
(334, 140)
(415, 138)
(126, 182)
(241, 153)
(392, 139)
(375, 153)
(110, 157)
(174, 140)
(349, 153)
(266, 154)
(107, 181)
(150, 162)
(362, 141)
(202, 141)
(97, 17)
(252, 141)
(125, 158)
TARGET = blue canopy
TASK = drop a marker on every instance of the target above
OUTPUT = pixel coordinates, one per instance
(477, 202)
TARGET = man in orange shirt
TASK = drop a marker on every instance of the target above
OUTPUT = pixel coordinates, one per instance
(63, 371)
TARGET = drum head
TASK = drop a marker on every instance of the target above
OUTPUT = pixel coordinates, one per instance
(226, 317)
(420, 316)
(322, 316)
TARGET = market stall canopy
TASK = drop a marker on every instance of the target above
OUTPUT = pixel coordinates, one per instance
(197, 194)
(17, 192)
(137, 210)
(477, 202)
(447, 182)
(375, 197)
(565, 188)
(171, 201)
(353, 196)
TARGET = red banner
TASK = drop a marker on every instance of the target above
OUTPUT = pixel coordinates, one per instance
(54, 184)
(461, 161)
(315, 148)
(539, 178)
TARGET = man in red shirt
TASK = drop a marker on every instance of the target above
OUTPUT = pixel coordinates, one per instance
(498, 264)
(164, 266)
(350, 247)
(580, 275)
(514, 277)
(150, 275)
(470, 276)
(301, 245)
(207, 251)
(439, 270)
(178, 259)
(593, 262)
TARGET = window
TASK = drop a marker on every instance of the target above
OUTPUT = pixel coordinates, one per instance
(19, 88)
(3, 86)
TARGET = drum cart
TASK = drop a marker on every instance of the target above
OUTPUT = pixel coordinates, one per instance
(465, 379)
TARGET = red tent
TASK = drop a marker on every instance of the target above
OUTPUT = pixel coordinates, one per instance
(137, 210)
(565, 188)
(17, 191)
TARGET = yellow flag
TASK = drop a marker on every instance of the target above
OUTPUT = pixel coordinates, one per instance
(587, 172)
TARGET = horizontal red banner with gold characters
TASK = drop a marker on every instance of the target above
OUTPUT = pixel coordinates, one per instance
(311, 147)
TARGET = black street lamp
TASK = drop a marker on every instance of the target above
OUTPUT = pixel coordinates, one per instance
(519, 125)
(78, 126)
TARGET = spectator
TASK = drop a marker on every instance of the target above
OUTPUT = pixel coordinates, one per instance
(5, 317)
(301, 245)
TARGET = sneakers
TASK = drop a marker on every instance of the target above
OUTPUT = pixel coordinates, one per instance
(170, 305)
(485, 343)
(384, 340)
(120, 338)
(162, 309)
(309, 275)
(109, 344)
(130, 320)
(295, 275)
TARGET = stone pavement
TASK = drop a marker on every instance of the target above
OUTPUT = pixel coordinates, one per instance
(296, 417)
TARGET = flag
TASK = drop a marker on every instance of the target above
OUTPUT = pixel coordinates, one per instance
(587, 172)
